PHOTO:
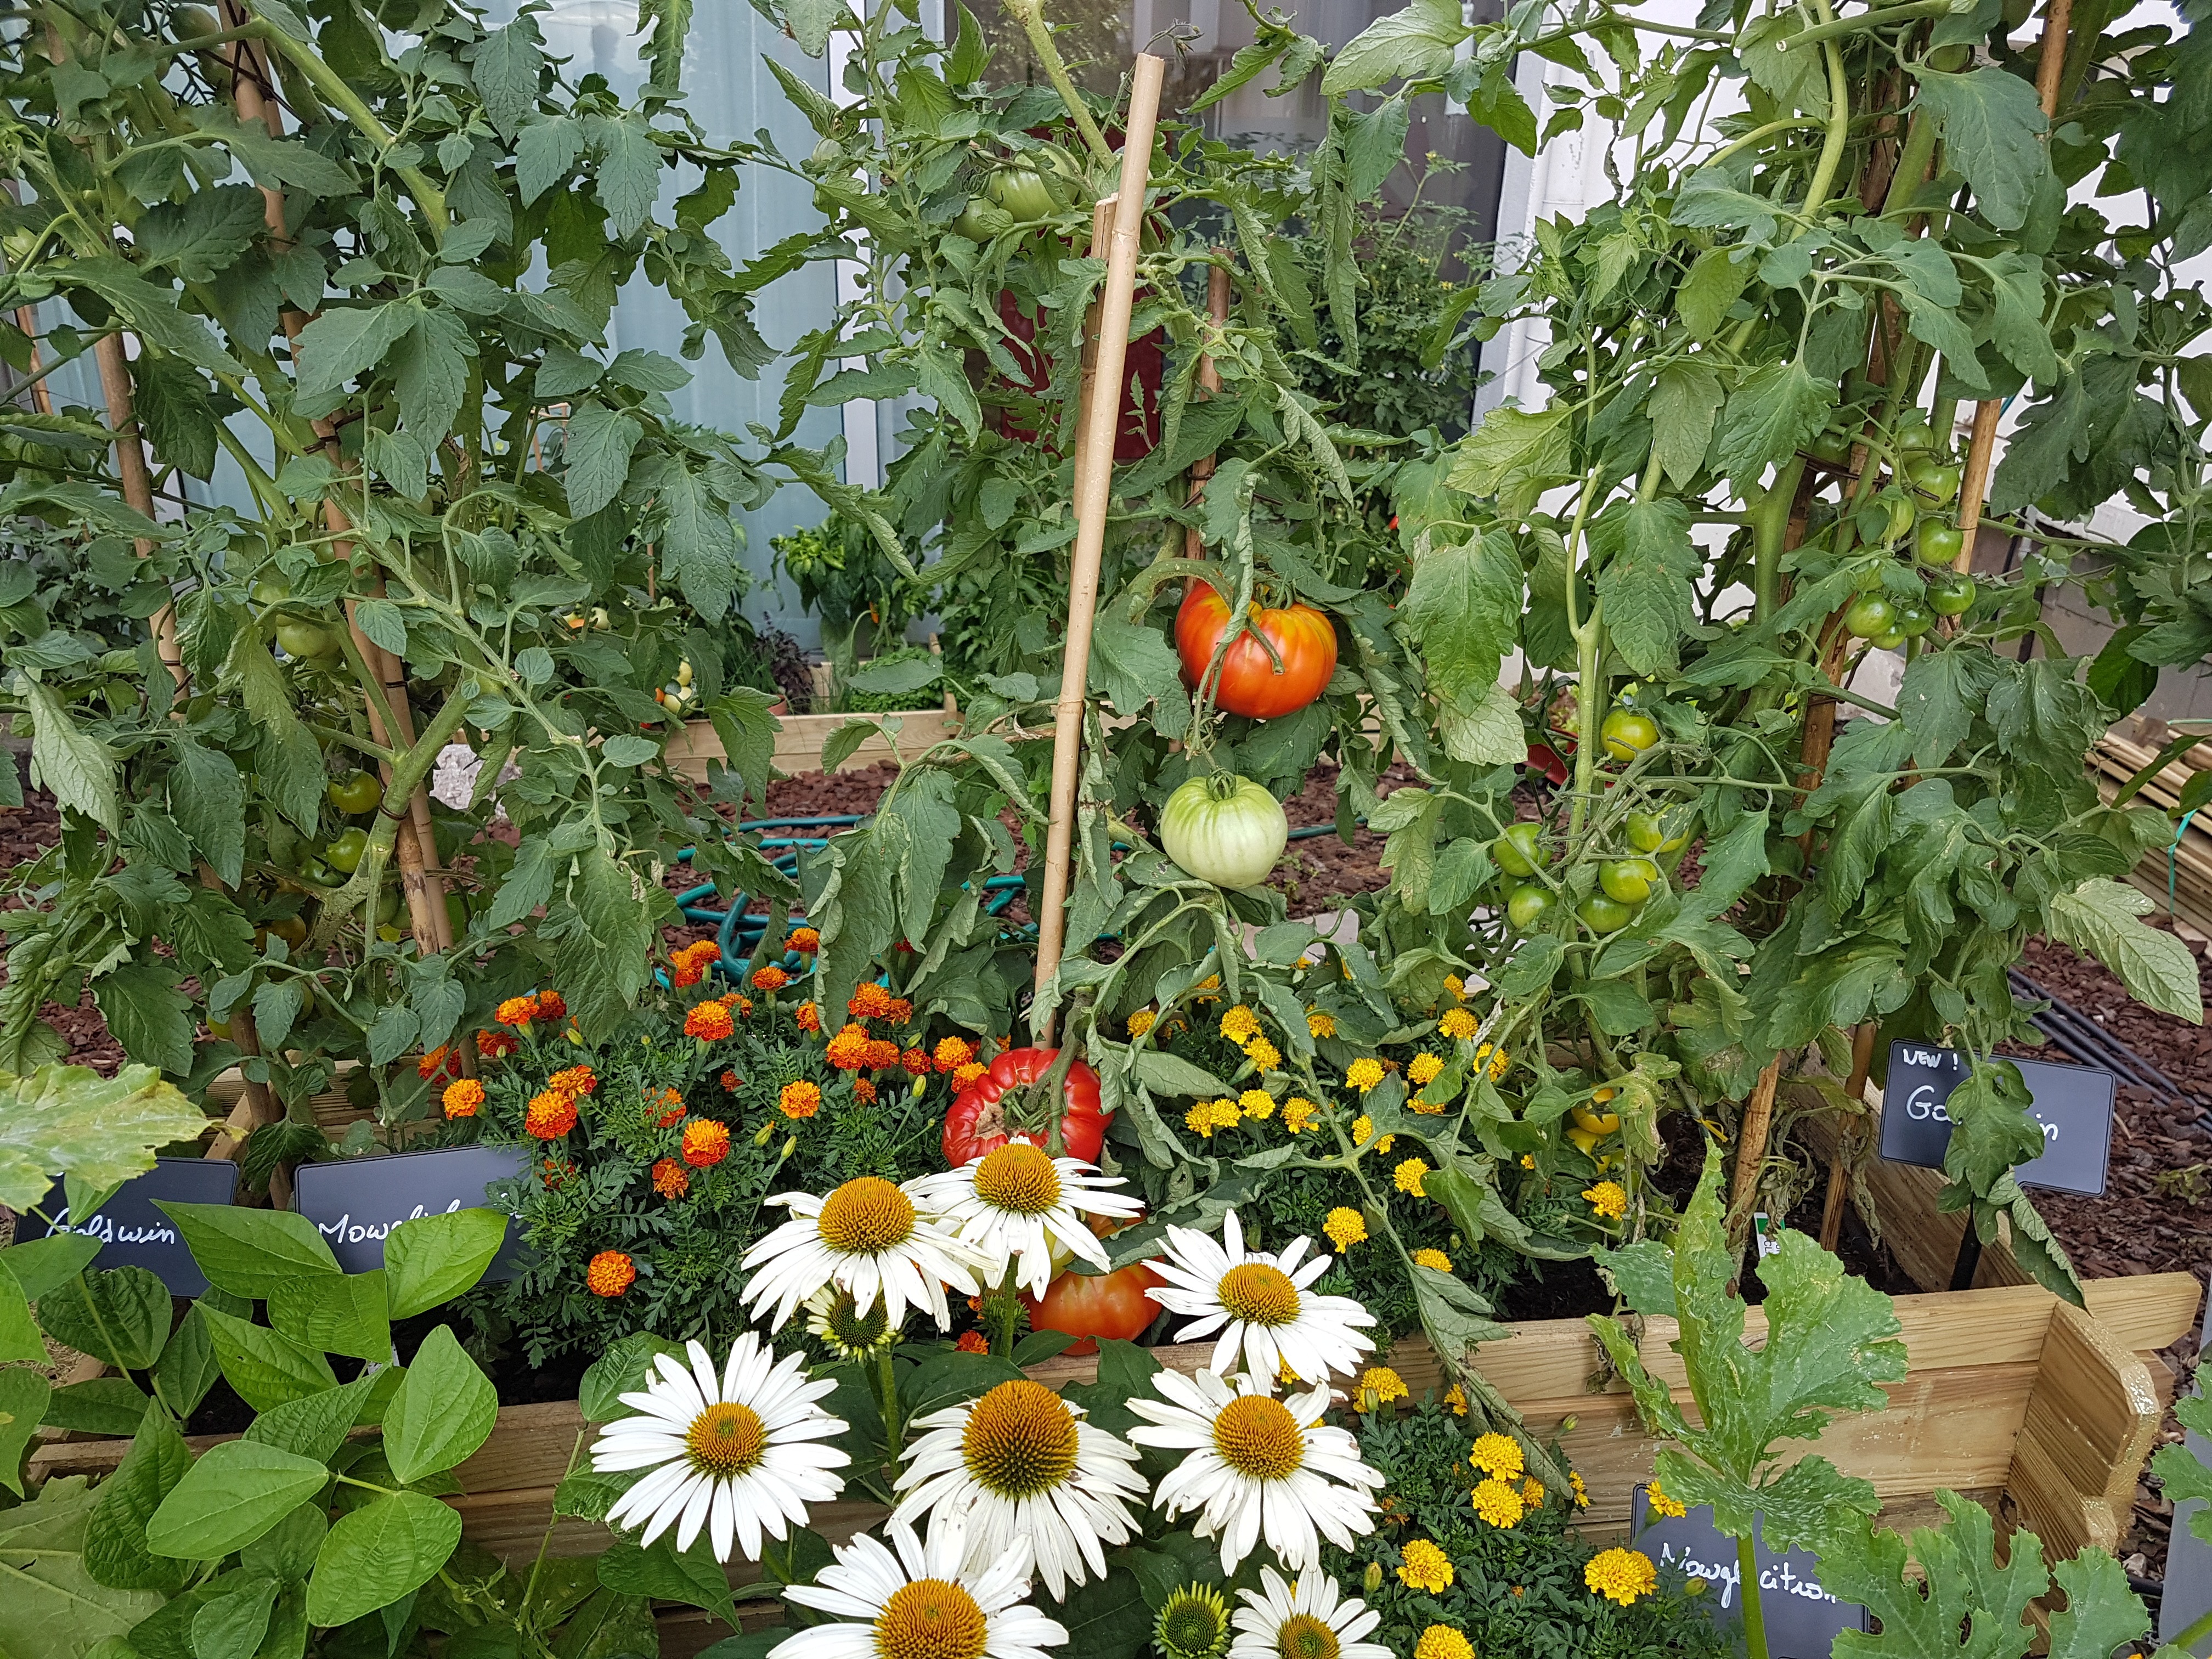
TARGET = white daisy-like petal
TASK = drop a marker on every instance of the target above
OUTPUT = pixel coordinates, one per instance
(1256, 1466)
(1279, 1618)
(1013, 1205)
(868, 1238)
(1260, 1304)
(922, 1602)
(1020, 1464)
(722, 1470)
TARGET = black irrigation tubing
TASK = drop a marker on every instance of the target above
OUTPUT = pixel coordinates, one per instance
(2075, 1034)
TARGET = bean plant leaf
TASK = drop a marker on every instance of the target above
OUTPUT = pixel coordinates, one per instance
(250, 1253)
(236, 1492)
(379, 1554)
(434, 1258)
(55, 1608)
(443, 1412)
(24, 1397)
(115, 1553)
(69, 1120)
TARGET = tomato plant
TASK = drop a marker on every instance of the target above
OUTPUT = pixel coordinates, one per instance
(1280, 663)
(1227, 831)
(1005, 1102)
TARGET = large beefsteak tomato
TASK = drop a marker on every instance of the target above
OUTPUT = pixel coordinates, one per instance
(1251, 684)
(1091, 1305)
(982, 1119)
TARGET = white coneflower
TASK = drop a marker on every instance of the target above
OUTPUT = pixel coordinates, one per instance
(835, 1319)
(1021, 1463)
(866, 1237)
(738, 1454)
(920, 1603)
(1257, 1465)
(1014, 1203)
(1260, 1303)
(1311, 1619)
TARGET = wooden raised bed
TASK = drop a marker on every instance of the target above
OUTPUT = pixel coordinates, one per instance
(2041, 1412)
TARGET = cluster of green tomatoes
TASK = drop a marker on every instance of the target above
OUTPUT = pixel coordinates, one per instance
(1919, 517)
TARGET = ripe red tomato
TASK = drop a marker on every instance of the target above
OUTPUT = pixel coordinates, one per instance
(1111, 1306)
(977, 1124)
(1303, 637)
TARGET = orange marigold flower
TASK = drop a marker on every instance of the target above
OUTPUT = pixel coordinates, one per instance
(864, 1091)
(670, 1179)
(807, 1016)
(438, 1059)
(881, 1054)
(462, 1098)
(551, 1114)
(799, 1099)
(706, 1143)
(871, 1001)
(710, 1022)
(972, 1342)
(550, 1006)
(687, 974)
(848, 1049)
(557, 1174)
(731, 1081)
(806, 940)
(671, 1109)
(964, 1075)
(953, 1052)
(575, 1080)
(770, 978)
(495, 1045)
(517, 1010)
(916, 1060)
(899, 1011)
(611, 1273)
(704, 950)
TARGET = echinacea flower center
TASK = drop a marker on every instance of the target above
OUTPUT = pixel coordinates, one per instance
(865, 1217)
(1258, 1437)
(851, 1329)
(1193, 1624)
(1019, 1177)
(1258, 1294)
(930, 1619)
(1304, 1636)
(727, 1440)
(1020, 1440)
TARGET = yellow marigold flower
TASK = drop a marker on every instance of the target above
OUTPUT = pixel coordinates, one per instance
(1608, 1199)
(1426, 1107)
(1210, 983)
(1227, 1113)
(968, 1073)
(1424, 1069)
(611, 1273)
(462, 1099)
(1455, 985)
(1257, 1104)
(1432, 1257)
(951, 1054)
(1363, 1073)
(1499, 1504)
(1298, 1114)
(1424, 1567)
(1362, 1126)
(1458, 1025)
(1621, 1576)
(1500, 1062)
(517, 1010)
(1346, 1227)
(1455, 1397)
(1199, 1119)
(1142, 1021)
(1406, 1177)
(575, 1080)
(1240, 1025)
(1264, 1055)
(1497, 1454)
(1382, 1384)
(1443, 1642)
(1320, 1024)
(1528, 1160)
(1661, 1504)
(1582, 1493)
(1532, 1492)
(1386, 1143)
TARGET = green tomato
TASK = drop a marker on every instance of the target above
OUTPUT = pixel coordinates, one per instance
(1938, 542)
(354, 793)
(271, 590)
(1528, 904)
(1022, 192)
(1647, 833)
(293, 930)
(306, 640)
(1629, 881)
(1902, 513)
(1520, 850)
(1868, 579)
(1869, 614)
(1951, 594)
(1225, 829)
(346, 852)
(1913, 435)
(387, 904)
(1601, 915)
(1628, 733)
(1832, 446)
(1914, 620)
(982, 219)
(316, 873)
(1889, 640)
(1937, 480)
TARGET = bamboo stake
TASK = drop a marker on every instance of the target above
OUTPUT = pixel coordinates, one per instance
(138, 483)
(1974, 487)
(1094, 470)
(1101, 236)
(1751, 1151)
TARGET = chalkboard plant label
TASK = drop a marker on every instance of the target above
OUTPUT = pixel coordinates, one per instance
(2074, 1104)
(356, 1204)
(1802, 1618)
(131, 1232)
